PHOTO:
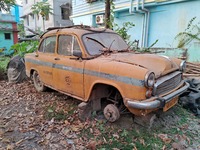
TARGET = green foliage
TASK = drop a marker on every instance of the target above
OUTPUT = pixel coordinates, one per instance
(41, 8)
(123, 31)
(53, 113)
(24, 47)
(191, 33)
(3, 64)
(6, 4)
(21, 29)
(147, 50)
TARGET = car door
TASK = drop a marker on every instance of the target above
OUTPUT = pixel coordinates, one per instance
(68, 70)
(45, 57)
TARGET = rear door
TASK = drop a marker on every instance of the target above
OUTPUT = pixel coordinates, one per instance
(68, 70)
(45, 59)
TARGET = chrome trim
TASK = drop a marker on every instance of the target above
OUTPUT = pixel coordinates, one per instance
(163, 79)
(181, 65)
(146, 78)
(157, 102)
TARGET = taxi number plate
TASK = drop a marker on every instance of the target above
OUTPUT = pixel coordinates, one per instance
(170, 104)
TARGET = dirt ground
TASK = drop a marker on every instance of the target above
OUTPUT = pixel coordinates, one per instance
(34, 121)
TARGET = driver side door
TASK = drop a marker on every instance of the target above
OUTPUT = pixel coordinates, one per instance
(68, 70)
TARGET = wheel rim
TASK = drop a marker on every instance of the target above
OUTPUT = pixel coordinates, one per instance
(111, 113)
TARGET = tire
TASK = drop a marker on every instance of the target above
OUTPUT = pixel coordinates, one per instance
(39, 85)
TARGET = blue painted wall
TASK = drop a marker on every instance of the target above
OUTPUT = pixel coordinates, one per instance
(167, 19)
(6, 27)
(17, 12)
(6, 43)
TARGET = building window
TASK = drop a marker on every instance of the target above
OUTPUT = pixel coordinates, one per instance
(7, 36)
(65, 11)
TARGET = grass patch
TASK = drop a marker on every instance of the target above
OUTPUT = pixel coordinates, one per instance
(130, 139)
(59, 112)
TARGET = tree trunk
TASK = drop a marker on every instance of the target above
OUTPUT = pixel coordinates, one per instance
(107, 13)
(43, 24)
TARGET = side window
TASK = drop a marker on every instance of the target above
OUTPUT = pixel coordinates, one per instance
(48, 45)
(76, 45)
(67, 44)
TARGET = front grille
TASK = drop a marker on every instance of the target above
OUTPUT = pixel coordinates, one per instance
(167, 83)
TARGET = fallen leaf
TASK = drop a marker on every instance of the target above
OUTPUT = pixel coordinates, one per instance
(19, 142)
(48, 136)
(10, 147)
(116, 136)
(91, 130)
(92, 145)
(135, 148)
(164, 138)
(142, 142)
(164, 147)
(178, 146)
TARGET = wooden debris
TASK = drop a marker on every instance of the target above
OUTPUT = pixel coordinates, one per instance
(192, 70)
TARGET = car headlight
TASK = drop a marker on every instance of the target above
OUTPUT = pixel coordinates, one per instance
(183, 66)
(149, 79)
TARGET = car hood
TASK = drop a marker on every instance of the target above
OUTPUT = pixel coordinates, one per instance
(160, 65)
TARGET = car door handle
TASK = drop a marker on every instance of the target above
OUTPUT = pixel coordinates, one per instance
(56, 58)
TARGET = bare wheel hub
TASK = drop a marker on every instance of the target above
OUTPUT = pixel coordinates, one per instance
(111, 113)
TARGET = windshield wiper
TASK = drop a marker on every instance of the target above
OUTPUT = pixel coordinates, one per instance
(96, 41)
(107, 50)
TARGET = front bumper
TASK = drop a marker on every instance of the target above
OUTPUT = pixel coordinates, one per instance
(159, 102)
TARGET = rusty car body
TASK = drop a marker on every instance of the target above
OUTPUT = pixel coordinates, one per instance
(93, 64)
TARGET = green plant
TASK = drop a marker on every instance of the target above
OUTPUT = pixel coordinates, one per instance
(24, 47)
(191, 33)
(53, 113)
(43, 9)
(21, 29)
(6, 4)
(3, 64)
(123, 31)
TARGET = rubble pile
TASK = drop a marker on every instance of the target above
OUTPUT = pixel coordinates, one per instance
(191, 99)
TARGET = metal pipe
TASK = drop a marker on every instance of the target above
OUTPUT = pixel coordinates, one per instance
(131, 7)
(145, 32)
(146, 26)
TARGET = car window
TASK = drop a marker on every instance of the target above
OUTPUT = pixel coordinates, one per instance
(48, 45)
(67, 44)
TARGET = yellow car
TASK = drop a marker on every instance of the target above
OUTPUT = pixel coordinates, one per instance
(96, 66)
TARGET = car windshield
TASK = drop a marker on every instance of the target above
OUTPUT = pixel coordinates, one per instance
(96, 42)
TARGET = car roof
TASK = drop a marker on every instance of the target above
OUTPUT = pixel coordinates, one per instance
(76, 29)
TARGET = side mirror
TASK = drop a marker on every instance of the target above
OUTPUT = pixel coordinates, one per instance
(77, 53)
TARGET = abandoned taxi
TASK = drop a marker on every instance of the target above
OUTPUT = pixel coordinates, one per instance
(97, 67)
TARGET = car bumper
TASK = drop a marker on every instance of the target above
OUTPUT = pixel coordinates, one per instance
(159, 102)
